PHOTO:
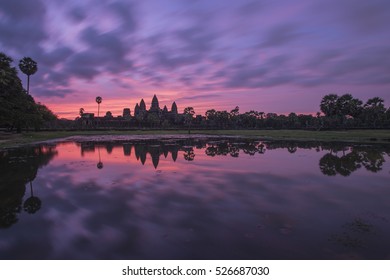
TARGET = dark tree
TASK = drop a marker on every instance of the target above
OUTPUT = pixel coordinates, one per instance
(18, 109)
(28, 67)
(98, 101)
(349, 106)
(374, 112)
(328, 105)
(188, 114)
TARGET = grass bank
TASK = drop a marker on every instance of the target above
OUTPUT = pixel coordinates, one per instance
(361, 136)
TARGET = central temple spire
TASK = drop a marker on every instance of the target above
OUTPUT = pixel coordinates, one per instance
(142, 105)
(155, 106)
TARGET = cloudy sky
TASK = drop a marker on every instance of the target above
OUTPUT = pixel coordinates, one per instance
(273, 56)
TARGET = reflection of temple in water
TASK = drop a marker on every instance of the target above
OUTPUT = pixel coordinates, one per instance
(171, 148)
(141, 150)
(155, 151)
(340, 159)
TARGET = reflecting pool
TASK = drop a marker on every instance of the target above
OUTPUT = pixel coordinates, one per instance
(194, 198)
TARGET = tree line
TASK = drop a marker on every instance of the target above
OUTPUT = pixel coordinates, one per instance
(18, 109)
(346, 111)
(337, 112)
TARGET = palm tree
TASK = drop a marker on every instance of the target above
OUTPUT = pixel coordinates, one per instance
(188, 115)
(328, 105)
(28, 67)
(374, 111)
(98, 101)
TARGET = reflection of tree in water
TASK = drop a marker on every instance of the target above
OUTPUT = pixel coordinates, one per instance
(331, 165)
(20, 166)
(328, 164)
(200, 144)
(99, 165)
(250, 147)
(341, 158)
(293, 146)
(33, 203)
(10, 205)
(292, 150)
(189, 155)
(371, 159)
(353, 158)
(212, 151)
(234, 151)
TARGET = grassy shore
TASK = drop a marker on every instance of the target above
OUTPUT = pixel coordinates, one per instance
(362, 136)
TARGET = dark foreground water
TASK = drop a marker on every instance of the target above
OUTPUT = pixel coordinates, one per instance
(195, 199)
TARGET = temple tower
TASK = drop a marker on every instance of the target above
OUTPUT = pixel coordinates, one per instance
(142, 106)
(174, 108)
(155, 106)
(126, 113)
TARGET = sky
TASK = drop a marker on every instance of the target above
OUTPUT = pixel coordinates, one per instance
(276, 56)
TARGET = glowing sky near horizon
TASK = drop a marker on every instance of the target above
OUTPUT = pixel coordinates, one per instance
(272, 56)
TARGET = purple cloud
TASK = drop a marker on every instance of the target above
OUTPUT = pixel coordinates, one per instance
(77, 14)
(280, 35)
(22, 24)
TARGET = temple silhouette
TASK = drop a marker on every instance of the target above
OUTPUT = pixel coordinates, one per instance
(141, 117)
(154, 108)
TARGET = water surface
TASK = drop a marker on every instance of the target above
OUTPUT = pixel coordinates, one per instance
(195, 199)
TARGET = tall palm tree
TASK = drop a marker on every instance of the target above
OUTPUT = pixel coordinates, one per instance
(98, 101)
(188, 115)
(28, 67)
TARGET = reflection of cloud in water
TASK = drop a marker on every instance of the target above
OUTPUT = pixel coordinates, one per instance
(66, 230)
(210, 213)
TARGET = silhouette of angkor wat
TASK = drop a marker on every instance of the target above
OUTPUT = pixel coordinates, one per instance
(153, 117)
